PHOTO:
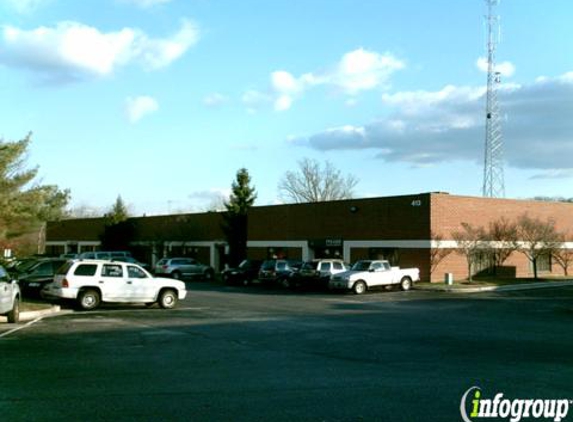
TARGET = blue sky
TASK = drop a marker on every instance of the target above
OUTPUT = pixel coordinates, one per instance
(162, 101)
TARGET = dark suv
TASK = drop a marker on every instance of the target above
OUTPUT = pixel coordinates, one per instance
(38, 275)
(317, 273)
(245, 273)
(278, 271)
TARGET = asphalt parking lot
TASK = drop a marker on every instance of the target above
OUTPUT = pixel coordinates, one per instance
(249, 354)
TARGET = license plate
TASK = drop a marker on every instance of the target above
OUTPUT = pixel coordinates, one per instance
(34, 284)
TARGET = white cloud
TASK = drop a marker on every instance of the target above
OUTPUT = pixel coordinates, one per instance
(426, 128)
(357, 71)
(215, 99)
(72, 50)
(139, 107)
(362, 70)
(506, 69)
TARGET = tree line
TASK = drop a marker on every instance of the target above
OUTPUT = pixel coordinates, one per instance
(531, 236)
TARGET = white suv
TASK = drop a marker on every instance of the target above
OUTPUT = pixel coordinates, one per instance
(90, 282)
(9, 297)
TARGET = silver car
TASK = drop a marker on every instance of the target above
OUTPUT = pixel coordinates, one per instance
(179, 268)
(9, 297)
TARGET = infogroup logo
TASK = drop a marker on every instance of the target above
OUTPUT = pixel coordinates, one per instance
(513, 409)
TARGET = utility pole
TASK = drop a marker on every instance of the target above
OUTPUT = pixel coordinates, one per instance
(493, 174)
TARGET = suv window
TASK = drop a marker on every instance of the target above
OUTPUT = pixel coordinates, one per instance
(63, 270)
(181, 262)
(45, 268)
(3, 275)
(112, 270)
(86, 270)
(324, 266)
(337, 265)
(135, 272)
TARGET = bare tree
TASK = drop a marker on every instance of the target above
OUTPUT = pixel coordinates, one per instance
(315, 183)
(470, 243)
(563, 256)
(502, 233)
(537, 238)
(437, 252)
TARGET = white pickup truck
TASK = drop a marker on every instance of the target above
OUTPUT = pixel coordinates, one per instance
(370, 273)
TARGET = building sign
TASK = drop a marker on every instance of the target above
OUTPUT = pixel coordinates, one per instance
(325, 243)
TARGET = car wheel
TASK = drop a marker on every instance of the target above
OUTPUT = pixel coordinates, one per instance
(359, 287)
(176, 275)
(14, 314)
(168, 299)
(406, 283)
(89, 299)
(208, 275)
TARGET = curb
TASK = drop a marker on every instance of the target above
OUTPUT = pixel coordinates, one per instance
(506, 288)
(30, 315)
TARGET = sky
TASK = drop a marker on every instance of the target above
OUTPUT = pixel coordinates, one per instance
(163, 101)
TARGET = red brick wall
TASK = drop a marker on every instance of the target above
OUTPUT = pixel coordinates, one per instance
(448, 212)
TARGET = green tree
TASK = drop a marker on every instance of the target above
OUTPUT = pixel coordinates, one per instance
(119, 230)
(235, 221)
(25, 204)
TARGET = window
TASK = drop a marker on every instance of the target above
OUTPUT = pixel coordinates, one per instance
(135, 272)
(44, 268)
(281, 266)
(110, 270)
(3, 275)
(324, 266)
(377, 266)
(544, 263)
(337, 265)
(86, 270)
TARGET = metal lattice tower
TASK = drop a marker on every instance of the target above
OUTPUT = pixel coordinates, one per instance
(493, 175)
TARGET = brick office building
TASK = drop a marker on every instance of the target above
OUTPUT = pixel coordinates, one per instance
(397, 228)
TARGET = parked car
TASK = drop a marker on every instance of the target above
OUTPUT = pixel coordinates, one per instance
(33, 279)
(90, 282)
(132, 260)
(103, 254)
(365, 274)
(20, 265)
(9, 297)
(278, 271)
(245, 273)
(317, 273)
(179, 268)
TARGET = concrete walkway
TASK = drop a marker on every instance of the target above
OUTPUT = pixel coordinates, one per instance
(441, 287)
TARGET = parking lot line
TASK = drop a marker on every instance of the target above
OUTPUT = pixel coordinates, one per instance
(7, 333)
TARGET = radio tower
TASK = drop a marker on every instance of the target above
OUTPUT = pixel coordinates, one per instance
(493, 178)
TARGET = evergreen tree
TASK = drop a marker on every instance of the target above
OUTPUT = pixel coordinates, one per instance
(119, 229)
(235, 223)
(24, 204)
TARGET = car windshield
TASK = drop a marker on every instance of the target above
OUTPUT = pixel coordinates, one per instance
(268, 265)
(309, 265)
(361, 266)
